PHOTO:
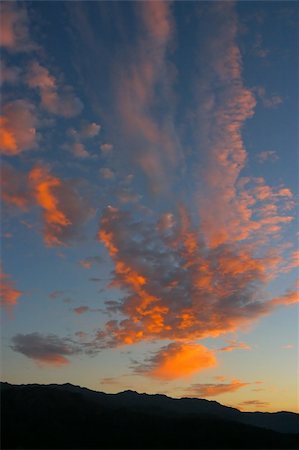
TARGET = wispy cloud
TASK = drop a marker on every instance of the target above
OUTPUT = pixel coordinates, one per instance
(151, 140)
(268, 100)
(249, 404)
(267, 155)
(84, 309)
(9, 294)
(235, 345)
(90, 261)
(213, 389)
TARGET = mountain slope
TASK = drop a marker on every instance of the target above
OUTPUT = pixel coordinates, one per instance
(66, 416)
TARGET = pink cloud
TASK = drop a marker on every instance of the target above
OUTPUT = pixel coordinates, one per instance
(14, 34)
(152, 142)
(106, 148)
(267, 155)
(107, 173)
(9, 74)
(18, 127)
(55, 98)
(79, 151)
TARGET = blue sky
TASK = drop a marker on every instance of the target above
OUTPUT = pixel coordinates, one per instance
(149, 194)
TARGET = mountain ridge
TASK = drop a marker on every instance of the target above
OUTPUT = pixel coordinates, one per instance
(44, 407)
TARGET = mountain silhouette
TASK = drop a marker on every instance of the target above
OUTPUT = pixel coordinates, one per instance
(67, 416)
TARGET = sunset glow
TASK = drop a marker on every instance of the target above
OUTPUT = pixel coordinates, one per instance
(149, 188)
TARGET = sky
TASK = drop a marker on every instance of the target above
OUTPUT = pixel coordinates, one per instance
(149, 192)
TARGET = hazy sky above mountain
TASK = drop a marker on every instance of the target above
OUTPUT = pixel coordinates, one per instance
(149, 178)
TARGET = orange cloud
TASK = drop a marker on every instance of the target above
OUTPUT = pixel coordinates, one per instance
(18, 127)
(191, 276)
(177, 287)
(44, 186)
(179, 360)
(9, 294)
(212, 390)
(64, 211)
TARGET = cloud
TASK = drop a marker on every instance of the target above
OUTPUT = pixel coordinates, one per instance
(222, 114)
(45, 349)
(289, 298)
(81, 309)
(267, 155)
(204, 390)
(14, 188)
(107, 173)
(8, 293)
(14, 35)
(178, 360)
(258, 49)
(79, 151)
(18, 127)
(235, 345)
(90, 130)
(143, 84)
(288, 346)
(268, 101)
(90, 261)
(106, 148)
(56, 294)
(220, 378)
(55, 98)
(177, 288)
(253, 404)
(87, 131)
(9, 74)
(109, 380)
(64, 210)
